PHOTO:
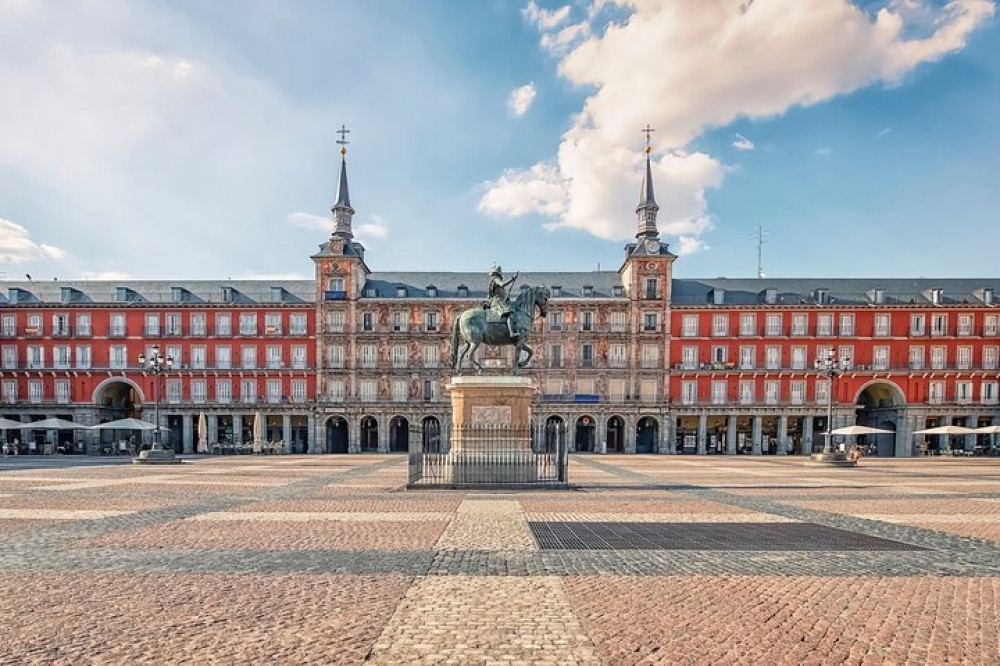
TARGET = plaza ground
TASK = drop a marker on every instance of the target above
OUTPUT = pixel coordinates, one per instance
(649, 559)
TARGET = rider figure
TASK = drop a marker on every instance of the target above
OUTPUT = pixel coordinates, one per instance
(499, 298)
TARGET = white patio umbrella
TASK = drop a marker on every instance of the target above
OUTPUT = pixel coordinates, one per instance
(989, 430)
(258, 430)
(52, 424)
(202, 433)
(127, 424)
(946, 430)
(8, 424)
(860, 430)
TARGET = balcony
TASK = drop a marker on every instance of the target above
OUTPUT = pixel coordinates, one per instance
(174, 331)
(151, 331)
(62, 332)
(117, 332)
(33, 331)
(273, 330)
(334, 295)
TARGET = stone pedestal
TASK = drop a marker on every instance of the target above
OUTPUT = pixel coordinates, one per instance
(491, 430)
(832, 459)
(156, 457)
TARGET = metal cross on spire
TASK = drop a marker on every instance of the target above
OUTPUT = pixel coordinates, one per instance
(343, 132)
(648, 131)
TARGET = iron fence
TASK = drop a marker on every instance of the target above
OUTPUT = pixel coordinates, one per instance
(488, 456)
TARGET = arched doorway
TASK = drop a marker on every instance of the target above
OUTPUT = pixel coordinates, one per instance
(337, 438)
(881, 404)
(369, 434)
(555, 432)
(585, 434)
(431, 434)
(116, 399)
(616, 434)
(647, 434)
(399, 435)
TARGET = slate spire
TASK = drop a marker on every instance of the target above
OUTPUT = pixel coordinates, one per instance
(647, 208)
(342, 211)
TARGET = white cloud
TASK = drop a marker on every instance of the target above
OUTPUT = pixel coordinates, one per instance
(521, 98)
(17, 247)
(545, 19)
(740, 142)
(823, 151)
(310, 221)
(883, 133)
(106, 276)
(372, 228)
(689, 65)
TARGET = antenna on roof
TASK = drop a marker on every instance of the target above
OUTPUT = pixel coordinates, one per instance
(760, 234)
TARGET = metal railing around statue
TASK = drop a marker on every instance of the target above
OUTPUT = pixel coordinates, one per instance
(488, 456)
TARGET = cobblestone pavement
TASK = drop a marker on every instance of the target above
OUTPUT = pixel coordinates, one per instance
(329, 560)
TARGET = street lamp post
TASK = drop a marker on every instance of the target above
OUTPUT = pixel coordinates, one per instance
(832, 367)
(156, 364)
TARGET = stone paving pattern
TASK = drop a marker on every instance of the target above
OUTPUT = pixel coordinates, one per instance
(329, 560)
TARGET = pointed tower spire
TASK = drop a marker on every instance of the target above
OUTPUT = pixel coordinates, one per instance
(342, 211)
(647, 208)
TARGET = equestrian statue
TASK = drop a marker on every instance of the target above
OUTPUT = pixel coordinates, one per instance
(498, 322)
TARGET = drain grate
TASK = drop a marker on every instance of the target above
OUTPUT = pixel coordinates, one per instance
(705, 536)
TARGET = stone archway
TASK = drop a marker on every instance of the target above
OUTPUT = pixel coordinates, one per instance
(369, 434)
(118, 398)
(399, 435)
(585, 437)
(616, 435)
(553, 433)
(431, 434)
(882, 404)
(337, 437)
(647, 434)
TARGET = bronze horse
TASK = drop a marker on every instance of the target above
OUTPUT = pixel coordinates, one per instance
(474, 329)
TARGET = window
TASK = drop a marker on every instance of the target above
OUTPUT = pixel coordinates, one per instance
(36, 391)
(36, 357)
(401, 292)
(248, 323)
(588, 291)
(990, 326)
(299, 391)
(799, 361)
(60, 325)
(399, 322)
(689, 392)
(586, 387)
(939, 357)
(824, 325)
(689, 358)
(963, 358)
(117, 357)
(963, 392)
(335, 390)
(173, 391)
(719, 392)
(274, 357)
(555, 356)
(34, 326)
(335, 322)
(10, 357)
(617, 356)
(772, 392)
(587, 355)
(965, 324)
(83, 324)
(939, 325)
(430, 389)
(647, 390)
(431, 356)
(175, 353)
(198, 323)
(272, 323)
(720, 355)
(61, 357)
(797, 392)
(223, 324)
(335, 284)
(299, 357)
(989, 358)
(117, 327)
(9, 391)
(800, 324)
(616, 390)
(650, 322)
(152, 328)
(62, 391)
(174, 324)
(988, 393)
(400, 356)
(916, 358)
(369, 356)
(935, 393)
(880, 358)
(273, 390)
(224, 391)
(772, 325)
(8, 326)
(748, 324)
(748, 358)
(223, 357)
(367, 390)
(399, 390)
(720, 325)
(335, 356)
(199, 357)
(248, 357)
(248, 390)
(555, 320)
(846, 325)
(617, 322)
(587, 321)
(83, 358)
(297, 324)
(747, 391)
(772, 358)
(650, 356)
(689, 326)
(652, 288)
(846, 355)
(430, 321)
(199, 390)
(882, 325)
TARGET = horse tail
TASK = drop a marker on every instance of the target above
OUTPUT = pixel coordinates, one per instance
(456, 325)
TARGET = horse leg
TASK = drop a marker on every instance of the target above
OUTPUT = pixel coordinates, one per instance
(526, 361)
(473, 360)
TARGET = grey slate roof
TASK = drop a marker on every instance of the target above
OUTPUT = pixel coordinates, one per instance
(160, 291)
(343, 196)
(840, 291)
(447, 284)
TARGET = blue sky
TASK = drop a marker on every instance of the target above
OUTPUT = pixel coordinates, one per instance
(188, 139)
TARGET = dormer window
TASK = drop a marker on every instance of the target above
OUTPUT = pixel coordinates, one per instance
(771, 296)
(432, 291)
(463, 291)
(228, 294)
(617, 291)
(879, 296)
(588, 291)
(821, 296)
(177, 294)
(371, 292)
(988, 296)
(556, 291)
(401, 292)
(718, 296)
(277, 294)
(121, 294)
(937, 296)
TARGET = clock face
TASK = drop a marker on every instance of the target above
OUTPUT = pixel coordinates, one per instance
(652, 246)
